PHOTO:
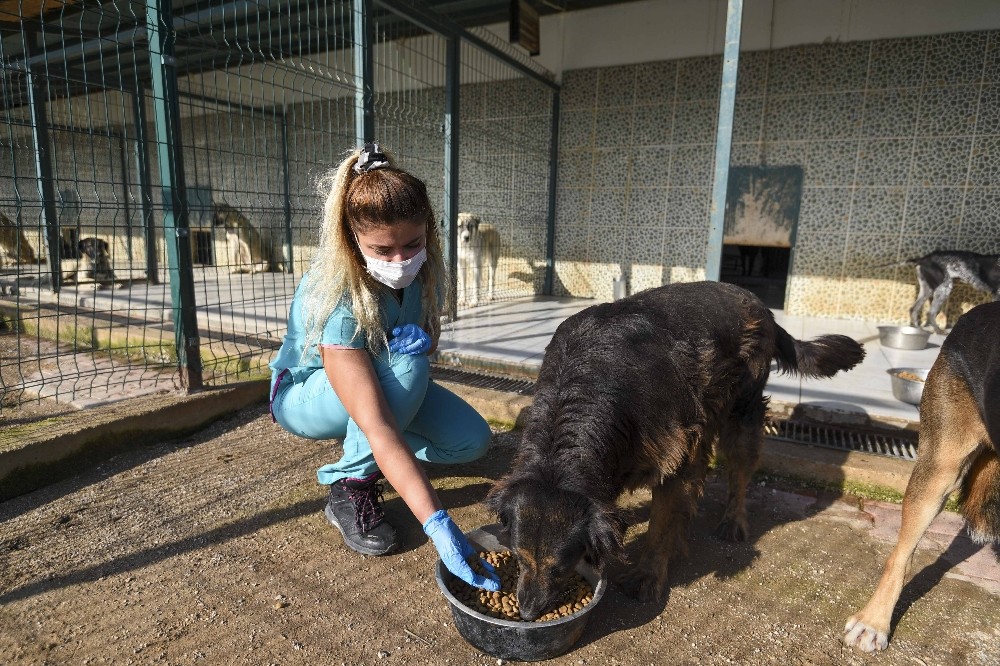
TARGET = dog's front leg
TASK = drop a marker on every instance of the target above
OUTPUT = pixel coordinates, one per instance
(947, 444)
(490, 293)
(477, 277)
(674, 504)
(868, 629)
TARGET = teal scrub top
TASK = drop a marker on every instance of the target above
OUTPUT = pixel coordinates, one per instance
(340, 329)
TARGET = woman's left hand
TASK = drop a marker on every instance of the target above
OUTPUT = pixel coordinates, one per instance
(409, 339)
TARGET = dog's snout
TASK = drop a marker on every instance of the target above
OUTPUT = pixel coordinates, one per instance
(535, 595)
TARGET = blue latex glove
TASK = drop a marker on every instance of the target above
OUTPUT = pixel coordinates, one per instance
(455, 549)
(409, 339)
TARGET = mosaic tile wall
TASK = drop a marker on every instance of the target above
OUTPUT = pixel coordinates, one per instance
(899, 141)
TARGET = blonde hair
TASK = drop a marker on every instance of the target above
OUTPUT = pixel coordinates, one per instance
(359, 203)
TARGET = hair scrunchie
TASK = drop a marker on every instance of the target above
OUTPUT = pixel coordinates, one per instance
(371, 157)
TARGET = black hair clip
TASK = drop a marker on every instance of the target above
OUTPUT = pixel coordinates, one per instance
(371, 157)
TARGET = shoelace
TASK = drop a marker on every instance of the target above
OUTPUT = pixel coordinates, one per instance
(367, 505)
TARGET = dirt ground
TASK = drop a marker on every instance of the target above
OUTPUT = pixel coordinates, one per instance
(16, 362)
(214, 550)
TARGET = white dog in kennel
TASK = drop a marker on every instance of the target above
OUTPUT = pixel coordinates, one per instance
(478, 252)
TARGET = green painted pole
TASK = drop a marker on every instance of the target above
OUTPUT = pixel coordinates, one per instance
(176, 233)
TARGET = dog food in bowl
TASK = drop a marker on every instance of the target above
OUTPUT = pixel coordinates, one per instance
(910, 376)
(908, 384)
(502, 605)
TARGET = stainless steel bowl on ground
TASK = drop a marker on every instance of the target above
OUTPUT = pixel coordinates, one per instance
(903, 337)
(908, 383)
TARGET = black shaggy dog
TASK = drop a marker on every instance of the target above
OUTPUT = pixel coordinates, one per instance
(635, 393)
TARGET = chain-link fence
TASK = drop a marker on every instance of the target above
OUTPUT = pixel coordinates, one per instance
(158, 170)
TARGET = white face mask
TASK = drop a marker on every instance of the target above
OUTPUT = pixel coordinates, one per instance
(396, 274)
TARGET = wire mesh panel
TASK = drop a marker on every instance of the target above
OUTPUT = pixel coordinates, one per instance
(268, 111)
(80, 324)
(264, 103)
(159, 165)
(505, 129)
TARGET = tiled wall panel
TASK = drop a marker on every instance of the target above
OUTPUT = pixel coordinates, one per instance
(899, 141)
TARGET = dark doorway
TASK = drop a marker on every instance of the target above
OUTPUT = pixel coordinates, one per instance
(762, 211)
(201, 247)
(762, 270)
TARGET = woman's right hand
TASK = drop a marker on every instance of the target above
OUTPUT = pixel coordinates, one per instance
(455, 551)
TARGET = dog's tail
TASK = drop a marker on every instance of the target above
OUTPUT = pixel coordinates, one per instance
(980, 498)
(912, 261)
(820, 357)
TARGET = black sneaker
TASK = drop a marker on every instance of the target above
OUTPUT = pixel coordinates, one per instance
(355, 508)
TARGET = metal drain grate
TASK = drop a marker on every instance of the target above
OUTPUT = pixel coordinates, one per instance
(902, 445)
(846, 439)
(482, 380)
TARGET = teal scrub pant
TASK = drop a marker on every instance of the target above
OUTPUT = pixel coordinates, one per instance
(438, 425)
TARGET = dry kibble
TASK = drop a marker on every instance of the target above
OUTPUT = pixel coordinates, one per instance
(502, 605)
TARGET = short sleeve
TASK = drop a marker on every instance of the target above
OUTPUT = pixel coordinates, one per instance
(342, 330)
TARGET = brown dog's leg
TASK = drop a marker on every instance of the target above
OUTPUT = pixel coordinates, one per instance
(674, 504)
(951, 431)
(740, 442)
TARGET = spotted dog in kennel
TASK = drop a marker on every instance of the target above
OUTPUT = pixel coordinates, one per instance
(478, 251)
(250, 251)
(91, 262)
(14, 247)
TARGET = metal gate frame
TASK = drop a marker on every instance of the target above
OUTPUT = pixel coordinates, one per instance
(163, 31)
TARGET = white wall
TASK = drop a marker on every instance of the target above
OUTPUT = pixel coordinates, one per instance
(651, 30)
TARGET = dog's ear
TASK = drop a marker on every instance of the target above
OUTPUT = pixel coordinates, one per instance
(495, 500)
(605, 536)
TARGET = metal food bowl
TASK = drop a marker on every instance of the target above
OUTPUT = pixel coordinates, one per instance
(509, 639)
(903, 337)
(905, 386)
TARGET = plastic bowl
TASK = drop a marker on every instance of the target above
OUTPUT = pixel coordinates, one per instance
(508, 639)
(904, 387)
(903, 337)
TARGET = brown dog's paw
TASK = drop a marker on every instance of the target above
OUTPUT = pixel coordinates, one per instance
(866, 637)
(642, 585)
(733, 529)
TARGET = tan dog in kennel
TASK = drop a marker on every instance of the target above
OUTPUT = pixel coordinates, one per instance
(478, 251)
(14, 245)
(249, 250)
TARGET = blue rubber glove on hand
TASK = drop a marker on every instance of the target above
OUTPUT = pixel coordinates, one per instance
(455, 550)
(409, 339)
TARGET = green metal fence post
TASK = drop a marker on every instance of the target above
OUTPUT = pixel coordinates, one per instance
(724, 139)
(453, 81)
(364, 71)
(159, 22)
(145, 187)
(43, 162)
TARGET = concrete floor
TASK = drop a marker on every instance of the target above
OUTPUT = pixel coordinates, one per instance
(501, 336)
(512, 335)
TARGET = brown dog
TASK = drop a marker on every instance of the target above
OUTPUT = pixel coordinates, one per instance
(959, 434)
(14, 244)
(637, 393)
